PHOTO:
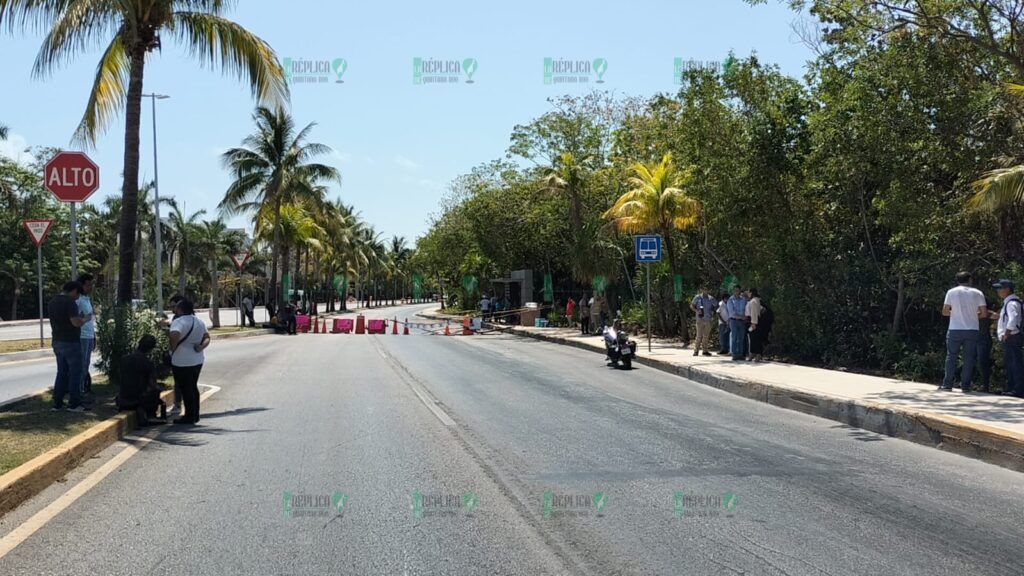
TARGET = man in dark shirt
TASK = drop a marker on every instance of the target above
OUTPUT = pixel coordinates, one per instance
(138, 389)
(65, 334)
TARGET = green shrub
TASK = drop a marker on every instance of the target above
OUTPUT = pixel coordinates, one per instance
(119, 329)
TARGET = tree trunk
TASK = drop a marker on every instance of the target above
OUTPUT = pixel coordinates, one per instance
(214, 295)
(897, 314)
(182, 270)
(14, 301)
(671, 250)
(130, 181)
(272, 291)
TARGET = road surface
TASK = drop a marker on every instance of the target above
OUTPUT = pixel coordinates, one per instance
(493, 455)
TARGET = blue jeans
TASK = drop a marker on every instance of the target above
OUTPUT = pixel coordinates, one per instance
(955, 340)
(69, 373)
(88, 345)
(1013, 358)
(738, 339)
(723, 338)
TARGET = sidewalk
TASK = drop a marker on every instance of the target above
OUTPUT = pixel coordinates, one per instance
(977, 425)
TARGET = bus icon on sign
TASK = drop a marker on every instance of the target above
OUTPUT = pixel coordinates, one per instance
(648, 248)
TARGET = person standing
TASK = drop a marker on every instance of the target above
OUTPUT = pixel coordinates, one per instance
(756, 332)
(584, 315)
(964, 305)
(247, 311)
(66, 339)
(983, 359)
(570, 308)
(188, 340)
(485, 307)
(737, 308)
(723, 324)
(1009, 332)
(88, 331)
(703, 306)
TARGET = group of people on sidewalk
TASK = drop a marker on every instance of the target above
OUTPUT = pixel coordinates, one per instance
(970, 332)
(744, 323)
(73, 339)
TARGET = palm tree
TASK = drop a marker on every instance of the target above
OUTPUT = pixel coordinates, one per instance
(183, 231)
(657, 202)
(138, 28)
(567, 177)
(399, 253)
(3, 132)
(213, 242)
(272, 168)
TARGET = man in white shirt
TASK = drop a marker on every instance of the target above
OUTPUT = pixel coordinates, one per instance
(964, 305)
(723, 325)
(1009, 332)
(485, 307)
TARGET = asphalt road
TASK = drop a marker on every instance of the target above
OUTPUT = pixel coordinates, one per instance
(369, 422)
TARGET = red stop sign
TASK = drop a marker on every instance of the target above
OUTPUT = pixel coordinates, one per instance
(71, 176)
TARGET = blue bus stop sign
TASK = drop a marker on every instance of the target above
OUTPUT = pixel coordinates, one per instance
(648, 248)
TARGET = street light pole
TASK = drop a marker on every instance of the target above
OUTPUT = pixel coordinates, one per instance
(156, 209)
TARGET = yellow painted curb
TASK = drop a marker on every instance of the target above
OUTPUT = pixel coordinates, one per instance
(34, 476)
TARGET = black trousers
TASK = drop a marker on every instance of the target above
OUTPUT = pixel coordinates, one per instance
(585, 323)
(757, 341)
(252, 319)
(186, 383)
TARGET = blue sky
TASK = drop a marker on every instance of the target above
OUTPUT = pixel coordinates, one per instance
(397, 144)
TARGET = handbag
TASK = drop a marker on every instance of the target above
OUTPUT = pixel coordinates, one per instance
(169, 356)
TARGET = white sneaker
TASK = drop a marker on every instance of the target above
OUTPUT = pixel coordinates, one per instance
(176, 409)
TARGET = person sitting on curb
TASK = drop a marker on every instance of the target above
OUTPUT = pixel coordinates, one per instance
(137, 389)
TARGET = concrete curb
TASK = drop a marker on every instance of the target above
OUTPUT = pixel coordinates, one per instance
(48, 352)
(25, 355)
(971, 439)
(34, 476)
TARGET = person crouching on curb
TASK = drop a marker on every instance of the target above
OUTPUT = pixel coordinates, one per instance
(137, 389)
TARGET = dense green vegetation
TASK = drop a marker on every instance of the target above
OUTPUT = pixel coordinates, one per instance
(844, 196)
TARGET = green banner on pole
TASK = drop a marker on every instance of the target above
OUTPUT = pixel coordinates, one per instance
(469, 284)
(286, 285)
(729, 282)
(417, 286)
(599, 284)
(340, 286)
(549, 291)
(677, 287)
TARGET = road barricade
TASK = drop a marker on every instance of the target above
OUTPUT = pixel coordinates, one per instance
(342, 326)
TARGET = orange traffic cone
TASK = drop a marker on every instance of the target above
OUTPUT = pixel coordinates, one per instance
(405, 331)
(324, 329)
(447, 329)
(394, 326)
(316, 326)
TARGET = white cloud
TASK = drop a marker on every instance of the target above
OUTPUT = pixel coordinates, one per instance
(15, 148)
(407, 163)
(343, 157)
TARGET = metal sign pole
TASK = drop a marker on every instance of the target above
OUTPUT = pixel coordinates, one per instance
(74, 241)
(39, 280)
(648, 306)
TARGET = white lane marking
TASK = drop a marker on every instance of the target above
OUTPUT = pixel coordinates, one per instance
(39, 519)
(431, 405)
(420, 391)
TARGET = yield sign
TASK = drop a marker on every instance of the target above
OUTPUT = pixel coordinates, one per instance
(240, 259)
(37, 229)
